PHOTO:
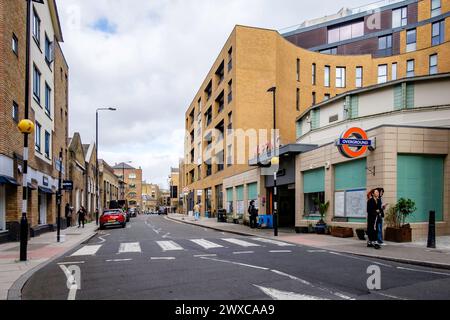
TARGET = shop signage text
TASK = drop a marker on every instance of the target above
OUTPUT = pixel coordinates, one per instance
(354, 143)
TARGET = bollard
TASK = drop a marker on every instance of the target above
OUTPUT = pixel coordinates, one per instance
(432, 231)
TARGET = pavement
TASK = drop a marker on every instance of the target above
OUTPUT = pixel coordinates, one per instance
(415, 253)
(41, 251)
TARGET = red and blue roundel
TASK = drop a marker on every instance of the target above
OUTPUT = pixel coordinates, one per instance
(353, 143)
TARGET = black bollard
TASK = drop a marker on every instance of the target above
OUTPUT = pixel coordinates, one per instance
(432, 231)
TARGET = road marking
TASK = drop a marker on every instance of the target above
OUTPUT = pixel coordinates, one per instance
(424, 271)
(236, 263)
(87, 251)
(70, 262)
(130, 247)
(206, 244)
(280, 251)
(72, 281)
(388, 295)
(169, 245)
(275, 242)
(118, 260)
(205, 255)
(241, 243)
(317, 251)
(292, 277)
(362, 259)
(162, 258)
(102, 240)
(244, 252)
(167, 235)
(284, 295)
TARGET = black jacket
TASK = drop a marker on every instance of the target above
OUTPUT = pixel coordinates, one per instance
(373, 211)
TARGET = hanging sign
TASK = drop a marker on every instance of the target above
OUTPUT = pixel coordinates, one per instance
(354, 143)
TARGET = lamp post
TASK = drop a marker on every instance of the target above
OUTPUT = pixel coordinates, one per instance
(26, 127)
(97, 195)
(275, 161)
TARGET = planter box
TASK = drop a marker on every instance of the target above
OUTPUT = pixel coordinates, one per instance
(342, 232)
(399, 235)
(321, 228)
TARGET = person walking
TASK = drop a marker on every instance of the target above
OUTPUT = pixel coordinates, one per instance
(197, 211)
(66, 214)
(382, 208)
(81, 216)
(253, 213)
(373, 214)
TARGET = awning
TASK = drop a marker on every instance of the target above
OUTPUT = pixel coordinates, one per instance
(30, 186)
(46, 190)
(8, 180)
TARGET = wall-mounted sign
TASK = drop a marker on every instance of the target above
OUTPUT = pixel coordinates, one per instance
(354, 143)
(45, 181)
(67, 185)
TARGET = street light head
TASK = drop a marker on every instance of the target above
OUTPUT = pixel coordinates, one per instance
(275, 161)
(273, 89)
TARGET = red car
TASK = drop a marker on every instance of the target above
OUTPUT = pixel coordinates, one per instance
(114, 217)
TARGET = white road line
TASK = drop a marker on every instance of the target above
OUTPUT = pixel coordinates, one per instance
(292, 277)
(87, 251)
(275, 242)
(70, 280)
(70, 262)
(244, 252)
(102, 240)
(362, 259)
(388, 295)
(241, 243)
(130, 247)
(424, 271)
(118, 260)
(284, 295)
(167, 235)
(162, 258)
(205, 255)
(280, 251)
(169, 246)
(206, 244)
(317, 251)
(236, 263)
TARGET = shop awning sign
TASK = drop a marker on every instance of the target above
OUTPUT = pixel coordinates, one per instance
(354, 143)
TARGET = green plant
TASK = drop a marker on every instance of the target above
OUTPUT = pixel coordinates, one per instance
(323, 209)
(397, 215)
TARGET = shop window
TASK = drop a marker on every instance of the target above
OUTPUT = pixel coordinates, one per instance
(252, 193)
(314, 190)
(240, 205)
(230, 200)
(312, 201)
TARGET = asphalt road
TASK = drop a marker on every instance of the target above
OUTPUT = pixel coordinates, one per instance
(155, 258)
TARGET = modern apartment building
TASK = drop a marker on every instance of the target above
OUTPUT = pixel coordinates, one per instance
(132, 184)
(49, 103)
(384, 42)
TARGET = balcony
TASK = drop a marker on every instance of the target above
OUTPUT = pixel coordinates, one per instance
(230, 97)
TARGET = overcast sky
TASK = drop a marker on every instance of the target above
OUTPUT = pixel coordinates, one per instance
(148, 59)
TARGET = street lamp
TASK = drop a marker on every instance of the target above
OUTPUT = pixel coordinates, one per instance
(97, 195)
(275, 161)
(26, 127)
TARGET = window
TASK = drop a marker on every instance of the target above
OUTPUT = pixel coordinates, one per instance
(132, 176)
(340, 77)
(37, 84)
(314, 190)
(399, 17)
(37, 138)
(36, 28)
(230, 59)
(329, 51)
(410, 68)
(48, 99)
(313, 72)
(382, 73)
(15, 111)
(394, 71)
(48, 50)
(47, 144)
(15, 45)
(229, 156)
(313, 98)
(385, 45)
(437, 36)
(298, 129)
(230, 91)
(315, 118)
(298, 69)
(345, 32)
(326, 97)
(326, 76)
(297, 100)
(411, 40)
(359, 77)
(435, 8)
(433, 64)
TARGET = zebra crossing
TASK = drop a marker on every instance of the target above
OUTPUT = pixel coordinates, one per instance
(171, 245)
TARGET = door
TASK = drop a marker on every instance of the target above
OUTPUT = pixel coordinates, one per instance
(2, 209)
(42, 208)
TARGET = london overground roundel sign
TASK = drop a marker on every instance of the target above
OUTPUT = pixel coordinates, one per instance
(353, 143)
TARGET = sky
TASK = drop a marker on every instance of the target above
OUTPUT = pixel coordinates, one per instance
(147, 58)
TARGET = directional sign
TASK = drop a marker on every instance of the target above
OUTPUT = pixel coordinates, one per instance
(67, 185)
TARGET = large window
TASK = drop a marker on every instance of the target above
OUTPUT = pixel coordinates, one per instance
(382, 73)
(433, 64)
(394, 71)
(411, 40)
(399, 17)
(314, 191)
(437, 30)
(435, 8)
(230, 200)
(37, 137)
(359, 77)
(36, 27)
(346, 32)
(252, 193)
(340, 77)
(36, 84)
(48, 100)
(240, 205)
(385, 45)
(326, 76)
(315, 118)
(410, 68)
(48, 50)
(313, 73)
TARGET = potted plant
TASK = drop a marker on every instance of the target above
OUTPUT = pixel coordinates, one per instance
(397, 230)
(321, 226)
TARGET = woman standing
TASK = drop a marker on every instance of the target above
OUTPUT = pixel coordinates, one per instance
(373, 212)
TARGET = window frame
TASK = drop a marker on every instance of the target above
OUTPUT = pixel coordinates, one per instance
(359, 79)
(47, 142)
(36, 25)
(15, 44)
(394, 66)
(410, 73)
(48, 100)
(341, 77)
(37, 137)
(15, 112)
(37, 83)
(327, 76)
(403, 17)
(430, 66)
(436, 11)
(411, 45)
(313, 74)
(439, 38)
(382, 78)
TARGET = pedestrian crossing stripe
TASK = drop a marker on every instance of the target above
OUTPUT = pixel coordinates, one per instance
(275, 242)
(206, 244)
(130, 247)
(86, 251)
(169, 246)
(241, 243)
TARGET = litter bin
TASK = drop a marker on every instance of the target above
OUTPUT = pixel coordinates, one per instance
(222, 215)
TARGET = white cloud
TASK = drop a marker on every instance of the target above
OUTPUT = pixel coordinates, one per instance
(150, 67)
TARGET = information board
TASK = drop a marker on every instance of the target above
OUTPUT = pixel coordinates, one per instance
(356, 204)
(339, 204)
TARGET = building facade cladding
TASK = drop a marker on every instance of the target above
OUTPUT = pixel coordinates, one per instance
(263, 58)
(108, 185)
(42, 171)
(411, 157)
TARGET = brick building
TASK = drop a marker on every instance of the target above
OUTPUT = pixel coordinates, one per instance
(150, 196)
(109, 185)
(132, 186)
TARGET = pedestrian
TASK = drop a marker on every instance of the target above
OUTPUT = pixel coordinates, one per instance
(382, 208)
(373, 214)
(81, 216)
(69, 214)
(253, 212)
(197, 212)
